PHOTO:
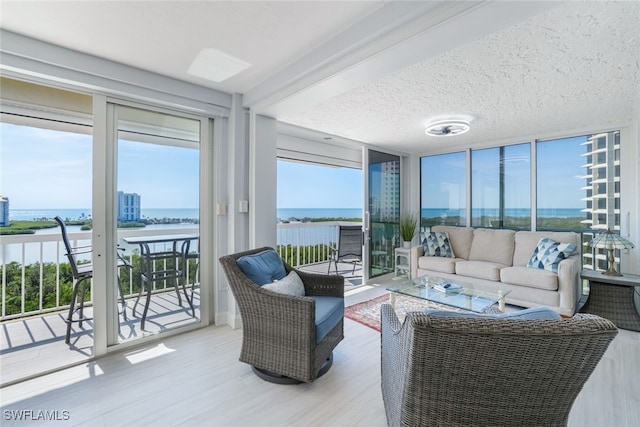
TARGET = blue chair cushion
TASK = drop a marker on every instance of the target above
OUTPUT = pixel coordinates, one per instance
(329, 312)
(536, 313)
(263, 267)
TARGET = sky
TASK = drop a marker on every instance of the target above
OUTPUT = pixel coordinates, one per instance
(45, 169)
(49, 169)
(302, 185)
(559, 173)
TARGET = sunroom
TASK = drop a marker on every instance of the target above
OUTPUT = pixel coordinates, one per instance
(552, 144)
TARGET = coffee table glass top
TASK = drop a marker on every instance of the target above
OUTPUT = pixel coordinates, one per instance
(464, 298)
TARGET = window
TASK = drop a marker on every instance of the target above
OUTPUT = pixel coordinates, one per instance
(485, 187)
(443, 187)
(319, 194)
(500, 183)
(577, 188)
(561, 185)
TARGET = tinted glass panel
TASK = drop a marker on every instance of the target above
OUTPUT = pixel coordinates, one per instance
(443, 198)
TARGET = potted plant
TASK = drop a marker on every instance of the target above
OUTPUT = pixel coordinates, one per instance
(408, 227)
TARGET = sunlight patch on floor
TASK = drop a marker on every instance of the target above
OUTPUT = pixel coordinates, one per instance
(147, 354)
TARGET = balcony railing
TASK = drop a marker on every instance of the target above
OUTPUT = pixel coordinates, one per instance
(308, 243)
(36, 258)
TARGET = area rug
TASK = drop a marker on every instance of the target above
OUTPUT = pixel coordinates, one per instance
(368, 312)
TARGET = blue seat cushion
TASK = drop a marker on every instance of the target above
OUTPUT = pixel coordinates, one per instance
(536, 313)
(263, 267)
(329, 312)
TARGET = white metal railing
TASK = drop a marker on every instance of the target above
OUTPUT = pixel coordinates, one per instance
(298, 243)
(304, 243)
(41, 249)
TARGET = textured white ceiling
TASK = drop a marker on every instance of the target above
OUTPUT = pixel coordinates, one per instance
(570, 68)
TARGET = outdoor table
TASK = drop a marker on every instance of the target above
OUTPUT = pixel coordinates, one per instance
(170, 269)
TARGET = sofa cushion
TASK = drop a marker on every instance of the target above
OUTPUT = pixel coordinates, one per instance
(329, 312)
(263, 267)
(289, 285)
(492, 246)
(535, 313)
(480, 269)
(530, 277)
(460, 238)
(441, 264)
(526, 242)
(437, 244)
(548, 254)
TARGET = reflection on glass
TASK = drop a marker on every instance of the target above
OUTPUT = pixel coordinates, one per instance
(516, 161)
(384, 211)
(443, 190)
(485, 187)
(500, 183)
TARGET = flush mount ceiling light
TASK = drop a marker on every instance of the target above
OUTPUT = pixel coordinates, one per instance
(447, 128)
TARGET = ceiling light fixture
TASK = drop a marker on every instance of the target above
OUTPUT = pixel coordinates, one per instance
(448, 128)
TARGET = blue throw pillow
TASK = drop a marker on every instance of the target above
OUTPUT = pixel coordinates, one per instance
(548, 254)
(263, 267)
(535, 313)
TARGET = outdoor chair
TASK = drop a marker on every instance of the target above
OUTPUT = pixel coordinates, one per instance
(82, 273)
(187, 255)
(349, 250)
(450, 370)
(286, 338)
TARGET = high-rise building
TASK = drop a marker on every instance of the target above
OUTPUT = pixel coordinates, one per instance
(602, 189)
(390, 191)
(128, 206)
(4, 211)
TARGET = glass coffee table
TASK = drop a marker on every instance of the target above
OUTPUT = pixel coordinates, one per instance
(464, 298)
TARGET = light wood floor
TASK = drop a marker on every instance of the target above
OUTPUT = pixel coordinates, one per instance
(33, 345)
(195, 379)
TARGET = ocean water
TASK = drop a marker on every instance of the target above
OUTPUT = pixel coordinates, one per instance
(300, 213)
(289, 213)
(73, 214)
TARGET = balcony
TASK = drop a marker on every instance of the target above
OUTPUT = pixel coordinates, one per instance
(36, 330)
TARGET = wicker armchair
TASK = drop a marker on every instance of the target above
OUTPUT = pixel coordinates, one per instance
(279, 331)
(453, 371)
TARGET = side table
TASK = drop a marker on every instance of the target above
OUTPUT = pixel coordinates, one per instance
(403, 262)
(613, 297)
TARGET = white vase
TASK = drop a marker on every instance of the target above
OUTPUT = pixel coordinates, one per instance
(407, 245)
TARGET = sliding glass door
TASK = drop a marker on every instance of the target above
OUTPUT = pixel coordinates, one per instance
(155, 210)
(382, 229)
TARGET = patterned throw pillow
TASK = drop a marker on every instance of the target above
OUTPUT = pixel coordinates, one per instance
(548, 254)
(437, 244)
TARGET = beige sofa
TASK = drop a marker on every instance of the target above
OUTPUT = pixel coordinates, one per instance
(496, 259)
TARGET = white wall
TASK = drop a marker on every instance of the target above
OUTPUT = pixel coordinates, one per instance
(263, 182)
